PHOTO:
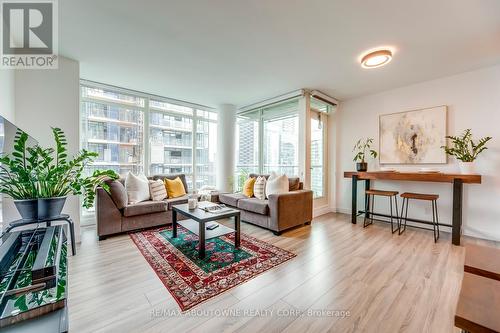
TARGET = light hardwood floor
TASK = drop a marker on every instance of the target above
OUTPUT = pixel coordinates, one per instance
(388, 283)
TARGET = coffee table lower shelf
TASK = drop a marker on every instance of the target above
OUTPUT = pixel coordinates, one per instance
(194, 227)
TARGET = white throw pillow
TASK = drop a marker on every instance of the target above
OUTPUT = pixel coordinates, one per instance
(137, 188)
(276, 184)
(259, 188)
(157, 190)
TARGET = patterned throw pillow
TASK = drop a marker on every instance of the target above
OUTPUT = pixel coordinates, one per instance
(259, 188)
(248, 187)
(276, 184)
(157, 190)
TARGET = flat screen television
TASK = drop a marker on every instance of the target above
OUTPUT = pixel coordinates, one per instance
(8, 130)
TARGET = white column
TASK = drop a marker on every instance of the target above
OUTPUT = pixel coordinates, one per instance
(225, 146)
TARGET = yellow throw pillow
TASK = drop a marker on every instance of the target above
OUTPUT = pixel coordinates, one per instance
(175, 188)
(248, 187)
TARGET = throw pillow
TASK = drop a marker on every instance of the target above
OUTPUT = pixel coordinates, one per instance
(137, 188)
(276, 184)
(248, 187)
(175, 188)
(157, 190)
(259, 188)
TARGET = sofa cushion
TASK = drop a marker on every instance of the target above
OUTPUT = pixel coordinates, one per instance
(254, 205)
(176, 201)
(248, 187)
(277, 184)
(172, 177)
(259, 188)
(118, 193)
(137, 187)
(293, 183)
(175, 188)
(145, 207)
(157, 190)
(231, 199)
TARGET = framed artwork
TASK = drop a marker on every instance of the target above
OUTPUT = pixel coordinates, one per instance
(413, 137)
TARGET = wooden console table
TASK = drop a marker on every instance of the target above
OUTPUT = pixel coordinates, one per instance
(457, 180)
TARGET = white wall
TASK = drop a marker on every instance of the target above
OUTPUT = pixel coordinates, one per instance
(7, 97)
(45, 98)
(473, 101)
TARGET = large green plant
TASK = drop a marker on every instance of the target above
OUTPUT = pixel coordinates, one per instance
(361, 147)
(36, 172)
(464, 148)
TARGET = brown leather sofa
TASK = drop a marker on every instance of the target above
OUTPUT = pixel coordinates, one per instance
(278, 213)
(115, 215)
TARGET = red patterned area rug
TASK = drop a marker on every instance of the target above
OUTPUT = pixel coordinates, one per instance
(191, 280)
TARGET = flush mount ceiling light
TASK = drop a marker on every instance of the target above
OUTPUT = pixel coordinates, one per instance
(376, 59)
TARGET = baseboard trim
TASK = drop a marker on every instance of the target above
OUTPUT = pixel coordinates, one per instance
(322, 211)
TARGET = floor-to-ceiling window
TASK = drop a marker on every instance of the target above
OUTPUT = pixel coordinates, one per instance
(113, 127)
(267, 139)
(171, 139)
(247, 147)
(206, 148)
(281, 139)
(138, 132)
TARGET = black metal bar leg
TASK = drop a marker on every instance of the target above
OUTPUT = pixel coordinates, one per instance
(354, 208)
(372, 201)
(201, 250)
(174, 223)
(367, 199)
(397, 211)
(367, 209)
(457, 211)
(437, 218)
(433, 221)
(392, 223)
(238, 231)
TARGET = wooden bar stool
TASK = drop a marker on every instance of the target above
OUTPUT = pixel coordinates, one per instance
(420, 196)
(370, 198)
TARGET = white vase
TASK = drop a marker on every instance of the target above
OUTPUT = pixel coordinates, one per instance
(467, 168)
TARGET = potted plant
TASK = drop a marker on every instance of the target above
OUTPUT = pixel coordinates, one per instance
(52, 176)
(361, 148)
(18, 178)
(466, 150)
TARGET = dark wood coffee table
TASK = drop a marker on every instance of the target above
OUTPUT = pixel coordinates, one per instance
(197, 224)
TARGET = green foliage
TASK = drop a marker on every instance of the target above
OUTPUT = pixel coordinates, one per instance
(36, 172)
(464, 148)
(361, 147)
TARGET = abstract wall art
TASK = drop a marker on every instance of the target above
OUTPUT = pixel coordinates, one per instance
(413, 137)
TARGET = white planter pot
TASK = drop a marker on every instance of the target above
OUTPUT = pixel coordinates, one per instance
(467, 168)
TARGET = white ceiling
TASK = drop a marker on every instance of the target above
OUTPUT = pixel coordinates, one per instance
(235, 51)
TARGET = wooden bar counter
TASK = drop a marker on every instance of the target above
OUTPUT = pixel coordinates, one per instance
(457, 181)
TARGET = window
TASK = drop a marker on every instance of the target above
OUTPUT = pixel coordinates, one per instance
(317, 154)
(206, 148)
(171, 139)
(138, 132)
(267, 140)
(112, 126)
(247, 147)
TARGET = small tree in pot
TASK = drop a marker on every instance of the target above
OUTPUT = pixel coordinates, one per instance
(361, 148)
(466, 150)
(47, 176)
